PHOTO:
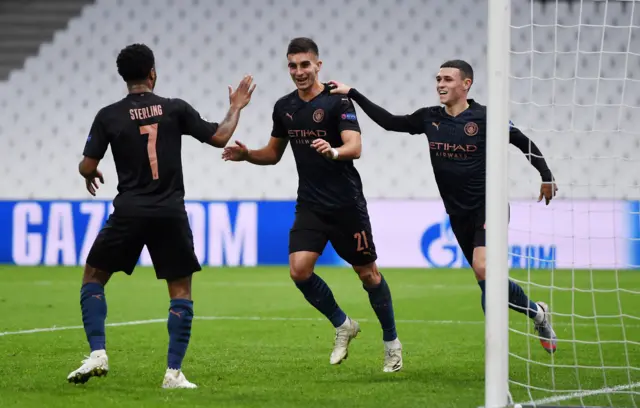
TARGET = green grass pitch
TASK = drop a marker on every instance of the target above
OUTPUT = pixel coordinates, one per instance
(257, 343)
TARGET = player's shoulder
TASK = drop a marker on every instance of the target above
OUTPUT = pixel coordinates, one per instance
(336, 99)
(285, 100)
(174, 106)
(108, 111)
(175, 101)
(477, 107)
(170, 102)
(430, 111)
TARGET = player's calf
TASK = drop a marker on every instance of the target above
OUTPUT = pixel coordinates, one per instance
(179, 321)
(93, 303)
(94, 313)
(179, 328)
(314, 288)
(381, 302)
(538, 312)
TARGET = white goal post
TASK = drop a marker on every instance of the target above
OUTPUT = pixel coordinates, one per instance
(497, 319)
(567, 73)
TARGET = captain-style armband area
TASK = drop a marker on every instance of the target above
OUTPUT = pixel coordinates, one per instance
(334, 153)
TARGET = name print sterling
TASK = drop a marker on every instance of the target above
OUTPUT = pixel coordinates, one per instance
(146, 112)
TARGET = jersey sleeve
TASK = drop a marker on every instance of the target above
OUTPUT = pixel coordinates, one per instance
(531, 151)
(98, 139)
(347, 118)
(278, 129)
(415, 121)
(192, 124)
(397, 123)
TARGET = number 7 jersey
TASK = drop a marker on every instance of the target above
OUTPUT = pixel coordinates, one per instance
(145, 132)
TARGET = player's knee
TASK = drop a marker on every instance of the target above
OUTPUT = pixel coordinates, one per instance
(300, 272)
(368, 274)
(300, 268)
(95, 275)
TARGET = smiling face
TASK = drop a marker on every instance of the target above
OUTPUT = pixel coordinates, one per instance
(452, 86)
(304, 68)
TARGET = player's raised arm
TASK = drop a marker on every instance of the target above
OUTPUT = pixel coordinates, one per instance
(534, 155)
(238, 100)
(215, 134)
(388, 121)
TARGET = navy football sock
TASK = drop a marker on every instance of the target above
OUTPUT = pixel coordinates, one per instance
(380, 299)
(94, 313)
(316, 291)
(179, 327)
(518, 300)
(482, 297)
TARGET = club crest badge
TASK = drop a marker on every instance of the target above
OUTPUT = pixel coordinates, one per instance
(471, 129)
(318, 115)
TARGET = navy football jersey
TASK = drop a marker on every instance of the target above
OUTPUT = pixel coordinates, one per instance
(323, 183)
(457, 146)
(145, 132)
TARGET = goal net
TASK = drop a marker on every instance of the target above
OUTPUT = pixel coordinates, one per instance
(575, 91)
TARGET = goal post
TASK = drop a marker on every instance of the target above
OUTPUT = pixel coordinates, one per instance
(567, 73)
(497, 275)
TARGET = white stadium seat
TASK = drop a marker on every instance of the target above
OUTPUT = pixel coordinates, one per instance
(390, 50)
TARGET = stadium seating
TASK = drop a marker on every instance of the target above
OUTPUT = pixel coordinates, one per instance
(390, 50)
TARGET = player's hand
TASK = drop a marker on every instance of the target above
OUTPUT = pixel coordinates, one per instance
(323, 147)
(92, 183)
(240, 152)
(340, 88)
(548, 191)
(242, 95)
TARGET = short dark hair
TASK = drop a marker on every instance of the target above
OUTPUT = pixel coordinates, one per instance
(465, 68)
(135, 62)
(302, 44)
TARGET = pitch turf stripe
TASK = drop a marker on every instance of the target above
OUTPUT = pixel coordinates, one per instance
(582, 394)
(284, 319)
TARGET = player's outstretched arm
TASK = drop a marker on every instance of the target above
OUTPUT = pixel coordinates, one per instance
(238, 99)
(268, 155)
(548, 188)
(384, 119)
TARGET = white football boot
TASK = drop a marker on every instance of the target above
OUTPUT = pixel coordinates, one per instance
(392, 356)
(344, 334)
(175, 379)
(96, 365)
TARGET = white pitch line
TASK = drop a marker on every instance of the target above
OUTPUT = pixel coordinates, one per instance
(59, 328)
(582, 394)
(279, 319)
(237, 318)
